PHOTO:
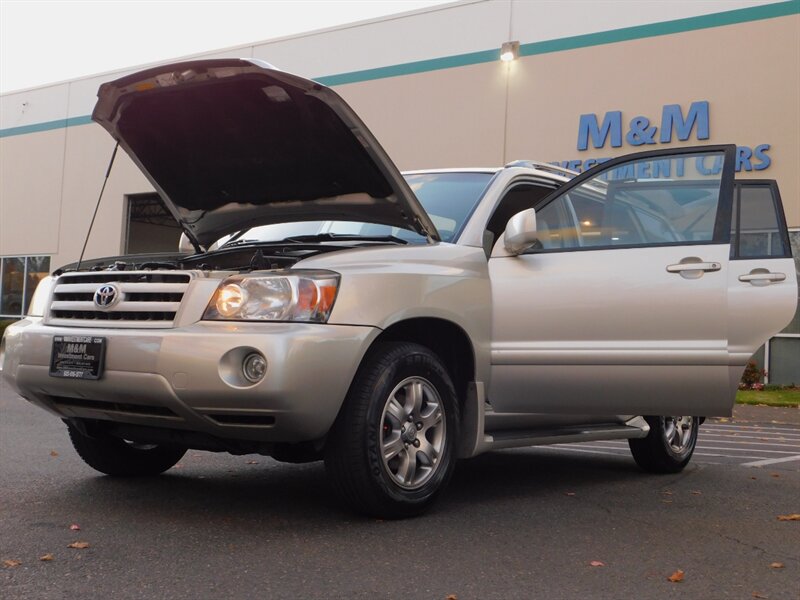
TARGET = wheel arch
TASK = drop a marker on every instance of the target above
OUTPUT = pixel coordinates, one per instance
(452, 344)
(444, 338)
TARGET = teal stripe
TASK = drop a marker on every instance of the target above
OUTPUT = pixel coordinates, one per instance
(420, 66)
(732, 17)
(741, 15)
(58, 124)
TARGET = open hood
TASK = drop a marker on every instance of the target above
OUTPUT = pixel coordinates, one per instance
(234, 143)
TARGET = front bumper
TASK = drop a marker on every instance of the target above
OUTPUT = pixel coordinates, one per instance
(185, 378)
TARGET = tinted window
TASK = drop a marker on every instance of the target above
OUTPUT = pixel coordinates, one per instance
(449, 198)
(520, 197)
(760, 230)
(646, 202)
(19, 276)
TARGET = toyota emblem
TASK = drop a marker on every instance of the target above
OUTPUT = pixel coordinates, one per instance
(106, 296)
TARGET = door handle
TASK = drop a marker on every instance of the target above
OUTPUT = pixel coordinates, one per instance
(762, 277)
(694, 266)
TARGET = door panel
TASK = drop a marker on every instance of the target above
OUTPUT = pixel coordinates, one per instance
(621, 308)
(762, 281)
(608, 330)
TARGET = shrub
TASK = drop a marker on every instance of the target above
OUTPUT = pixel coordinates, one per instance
(752, 376)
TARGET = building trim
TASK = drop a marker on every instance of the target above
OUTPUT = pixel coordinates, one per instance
(732, 17)
(46, 126)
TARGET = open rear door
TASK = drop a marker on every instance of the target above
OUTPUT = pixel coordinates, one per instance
(762, 280)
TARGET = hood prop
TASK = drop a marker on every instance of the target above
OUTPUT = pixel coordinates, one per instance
(197, 246)
(96, 206)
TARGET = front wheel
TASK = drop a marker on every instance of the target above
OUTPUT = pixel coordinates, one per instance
(668, 446)
(392, 449)
(113, 456)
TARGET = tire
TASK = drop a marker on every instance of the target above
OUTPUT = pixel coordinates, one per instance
(117, 457)
(669, 446)
(391, 451)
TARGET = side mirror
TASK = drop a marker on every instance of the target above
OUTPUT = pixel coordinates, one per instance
(185, 246)
(520, 232)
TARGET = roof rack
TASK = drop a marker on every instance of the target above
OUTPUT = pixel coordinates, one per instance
(543, 166)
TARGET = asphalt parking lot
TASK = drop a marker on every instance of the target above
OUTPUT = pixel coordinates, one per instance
(515, 524)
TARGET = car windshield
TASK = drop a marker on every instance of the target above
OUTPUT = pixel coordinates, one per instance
(448, 198)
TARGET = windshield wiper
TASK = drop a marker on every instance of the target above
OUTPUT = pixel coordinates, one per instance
(344, 237)
(230, 243)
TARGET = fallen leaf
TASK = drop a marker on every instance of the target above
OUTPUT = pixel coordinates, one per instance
(757, 595)
(53, 453)
(696, 493)
(776, 565)
(252, 462)
(46, 557)
(776, 475)
(11, 563)
(597, 563)
(451, 597)
(569, 493)
(78, 545)
(752, 478)
(75, 527)
(724, 420)
(676, 577)
(794, 517)
(667, 492)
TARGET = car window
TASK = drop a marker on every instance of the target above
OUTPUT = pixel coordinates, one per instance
(760, 232)
(646, 202)
(448, 198)
(519, 197)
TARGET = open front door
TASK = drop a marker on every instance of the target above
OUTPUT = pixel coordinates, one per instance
(621, 308)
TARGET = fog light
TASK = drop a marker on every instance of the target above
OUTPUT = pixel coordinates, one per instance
(254, 367)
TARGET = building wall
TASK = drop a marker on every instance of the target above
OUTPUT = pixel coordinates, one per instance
(431, 87)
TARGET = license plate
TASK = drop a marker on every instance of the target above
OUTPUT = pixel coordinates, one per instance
(77, 356)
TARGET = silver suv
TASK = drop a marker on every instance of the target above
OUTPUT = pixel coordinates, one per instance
(330, 308)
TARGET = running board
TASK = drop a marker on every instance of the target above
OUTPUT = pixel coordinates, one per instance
(634, 428)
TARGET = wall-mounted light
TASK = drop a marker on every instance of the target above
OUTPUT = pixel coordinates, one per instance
(509, 51)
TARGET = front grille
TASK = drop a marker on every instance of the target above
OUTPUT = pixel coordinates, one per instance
(141, 299)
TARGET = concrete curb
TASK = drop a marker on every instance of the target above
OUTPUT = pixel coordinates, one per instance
(745, 413)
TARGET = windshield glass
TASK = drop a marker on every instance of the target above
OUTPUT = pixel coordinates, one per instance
(449, 199)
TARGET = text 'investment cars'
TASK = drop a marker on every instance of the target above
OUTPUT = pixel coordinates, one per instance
(331, 308)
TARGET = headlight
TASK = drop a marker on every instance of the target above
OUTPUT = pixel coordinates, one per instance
(282, 296)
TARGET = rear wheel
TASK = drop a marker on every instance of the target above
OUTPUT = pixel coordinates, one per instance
(669, 446)
(391, 451)
(113, 456)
